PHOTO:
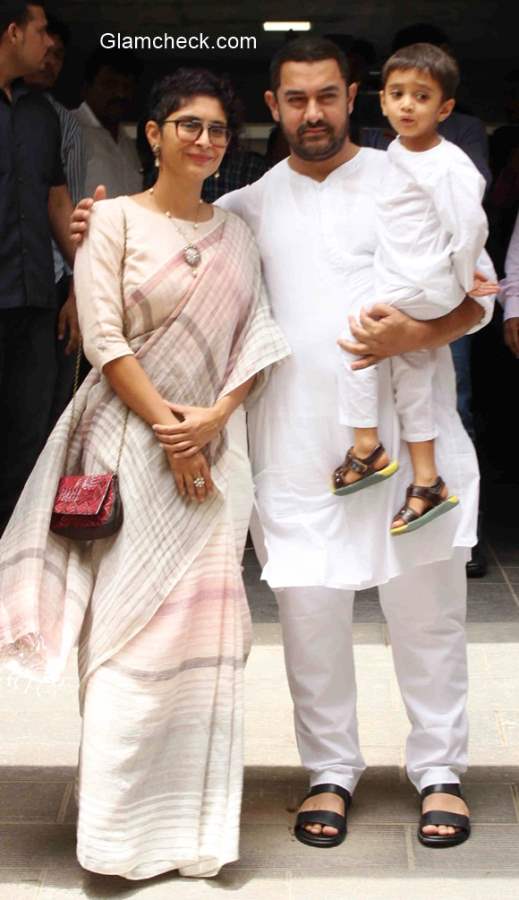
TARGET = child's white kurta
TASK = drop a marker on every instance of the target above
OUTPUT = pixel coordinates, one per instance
(317, 242)
(431, 231)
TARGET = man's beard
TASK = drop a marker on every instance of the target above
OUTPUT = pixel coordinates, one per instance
(317, 152)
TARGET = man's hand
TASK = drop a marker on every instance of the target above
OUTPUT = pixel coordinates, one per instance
(81, 215)
(381, 332)
(384, 331)
(68, 323)
(511, 335)
(199, 426)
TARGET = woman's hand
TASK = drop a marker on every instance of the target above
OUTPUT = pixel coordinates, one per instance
(199, 426)
(189, 475)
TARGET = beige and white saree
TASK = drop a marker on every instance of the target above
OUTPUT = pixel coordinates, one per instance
(158, 612)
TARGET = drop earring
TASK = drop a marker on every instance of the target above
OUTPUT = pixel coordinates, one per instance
(216, 175)
(156, 153)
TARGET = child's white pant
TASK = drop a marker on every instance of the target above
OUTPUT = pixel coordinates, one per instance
(412, 376)
(425, 611)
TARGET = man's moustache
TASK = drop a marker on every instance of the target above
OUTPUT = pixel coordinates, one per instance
(305, 129)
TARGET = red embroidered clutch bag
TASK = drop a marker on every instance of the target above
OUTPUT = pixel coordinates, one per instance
(87, 507)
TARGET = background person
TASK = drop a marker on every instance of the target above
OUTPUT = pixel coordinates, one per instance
(74, 162)
(239, 168)
(509, 294)
(34, 204)
(112, 158)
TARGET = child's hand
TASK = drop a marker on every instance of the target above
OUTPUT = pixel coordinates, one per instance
(482, 287)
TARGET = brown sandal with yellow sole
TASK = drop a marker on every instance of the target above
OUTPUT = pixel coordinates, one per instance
(437, 506)
(369, 475)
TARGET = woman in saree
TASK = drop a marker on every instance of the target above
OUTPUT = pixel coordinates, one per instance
(172, 311)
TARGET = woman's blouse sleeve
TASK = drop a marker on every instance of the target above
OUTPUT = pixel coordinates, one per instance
(97, 277)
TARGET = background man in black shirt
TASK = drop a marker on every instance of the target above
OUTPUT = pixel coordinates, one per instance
(34, 203)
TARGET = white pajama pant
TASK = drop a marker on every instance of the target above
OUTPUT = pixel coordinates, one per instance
(411, 373)
(412, 377)
(425, 612)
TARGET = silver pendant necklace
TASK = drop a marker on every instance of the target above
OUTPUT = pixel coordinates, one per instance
(192, 255)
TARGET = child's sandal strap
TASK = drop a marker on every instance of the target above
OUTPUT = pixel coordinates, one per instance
(432, 494)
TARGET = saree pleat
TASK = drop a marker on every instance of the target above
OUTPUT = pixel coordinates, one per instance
(158, 611)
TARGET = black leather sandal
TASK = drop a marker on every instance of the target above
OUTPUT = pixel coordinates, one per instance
(323, 817)
(437, 817)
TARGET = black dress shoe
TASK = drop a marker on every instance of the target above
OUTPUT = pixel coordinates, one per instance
(477, 564)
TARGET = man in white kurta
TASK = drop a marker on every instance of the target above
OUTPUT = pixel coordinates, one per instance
(314, 218)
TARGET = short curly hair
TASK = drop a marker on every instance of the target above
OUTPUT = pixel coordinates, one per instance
(170, 93)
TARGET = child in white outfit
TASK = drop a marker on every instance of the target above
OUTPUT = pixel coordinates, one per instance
(431, 231)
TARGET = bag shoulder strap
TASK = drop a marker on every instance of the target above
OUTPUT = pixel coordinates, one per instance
(79, 354)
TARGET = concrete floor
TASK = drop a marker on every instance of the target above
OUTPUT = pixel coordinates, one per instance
(381, 857)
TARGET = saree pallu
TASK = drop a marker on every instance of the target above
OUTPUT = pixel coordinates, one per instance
(158, 611)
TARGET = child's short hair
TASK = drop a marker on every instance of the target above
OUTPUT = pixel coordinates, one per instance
(441, 66)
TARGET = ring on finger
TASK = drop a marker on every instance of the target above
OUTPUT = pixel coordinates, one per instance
(199, 482)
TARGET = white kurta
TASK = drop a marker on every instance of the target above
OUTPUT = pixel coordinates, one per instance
(317, 241)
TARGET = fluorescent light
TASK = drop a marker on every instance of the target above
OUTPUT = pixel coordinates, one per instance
(287, 26)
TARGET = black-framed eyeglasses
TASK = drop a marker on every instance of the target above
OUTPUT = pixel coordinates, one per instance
(189, 130)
